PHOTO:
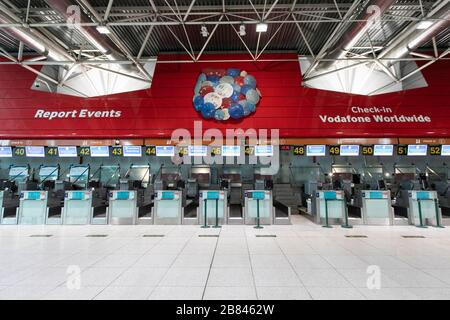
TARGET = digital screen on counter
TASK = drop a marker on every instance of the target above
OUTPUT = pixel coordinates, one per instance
(349, 150)
(67, 152)
(231, 151)
(49, 173)
(264, 151)
(316, 151)
(445, 151)
(165, 151)
(5, 152)
(132, 151)
(99, 151)
(383, 150)
(35, 152)
(417, 150)
(197, 151)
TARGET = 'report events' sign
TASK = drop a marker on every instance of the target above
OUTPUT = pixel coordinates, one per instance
(168, 105)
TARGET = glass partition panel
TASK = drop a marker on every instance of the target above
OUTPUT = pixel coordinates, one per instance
(139, 173)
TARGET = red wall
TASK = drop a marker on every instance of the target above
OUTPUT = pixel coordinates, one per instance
(168, 105)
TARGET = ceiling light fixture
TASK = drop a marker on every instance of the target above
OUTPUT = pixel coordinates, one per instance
(103, 29)
(422, 25)
(261, 27)
(242, 31)
(204, 31)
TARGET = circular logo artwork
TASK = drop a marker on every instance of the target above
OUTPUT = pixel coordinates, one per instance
(226, 94)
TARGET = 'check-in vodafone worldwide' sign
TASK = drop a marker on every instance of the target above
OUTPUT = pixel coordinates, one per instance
(374, 114)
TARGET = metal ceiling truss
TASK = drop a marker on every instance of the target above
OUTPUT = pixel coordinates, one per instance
(176, 19)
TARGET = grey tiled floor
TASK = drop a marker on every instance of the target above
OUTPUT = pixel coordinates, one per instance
(303, 261)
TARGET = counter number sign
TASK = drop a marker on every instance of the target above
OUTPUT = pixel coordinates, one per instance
(299, 150)
(117, 151)
(435, 150)
(216, 151)
(183, 151)
(84, 151)
(367, 150)
(335, 150)
(51, 151)
(150, 150)
(19, 151)
(249, 150)
(402, 150)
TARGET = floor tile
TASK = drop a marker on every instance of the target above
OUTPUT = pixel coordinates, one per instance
(231, 260)
(229, 293)
(431, 293)
(46, 277)
(185, 277)
(283, 293)
(385, 262)
(25, 292)
(230, 277)
(140, 277)
(155, 260)
(117, 260)
(97, 277)
(345, 261)
(193, 261)
(309, 261)
(81, 260)
(322, 278)
(177, 293)
(276, 278)
(389, 294)
(411, 278)
(441, 274)
(269, 261)
(364, 278)
(125, 293)
(63, 293)
(318, 293)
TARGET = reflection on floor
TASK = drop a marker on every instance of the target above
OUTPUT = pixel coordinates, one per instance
(300, 261)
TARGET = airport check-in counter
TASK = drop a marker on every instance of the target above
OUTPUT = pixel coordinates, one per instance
(10, 204)
(330, 206)
(258, 203)
(49, 181)
(190, 208)
(34, 204)
(377, 208)
(17, 181)
(405, 180)
(138, 179)
(424, 209)
(168, 207)
(108, 179)
(122, 207)
(77, 207)
(232, 177)
(1, 201)
(33, 207)
(213, 205)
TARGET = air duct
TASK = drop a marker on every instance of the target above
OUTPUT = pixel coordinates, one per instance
(35, 40)
(372, 10)
(388, 73)
(81, 78)
(414, 36)
(99, 41)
